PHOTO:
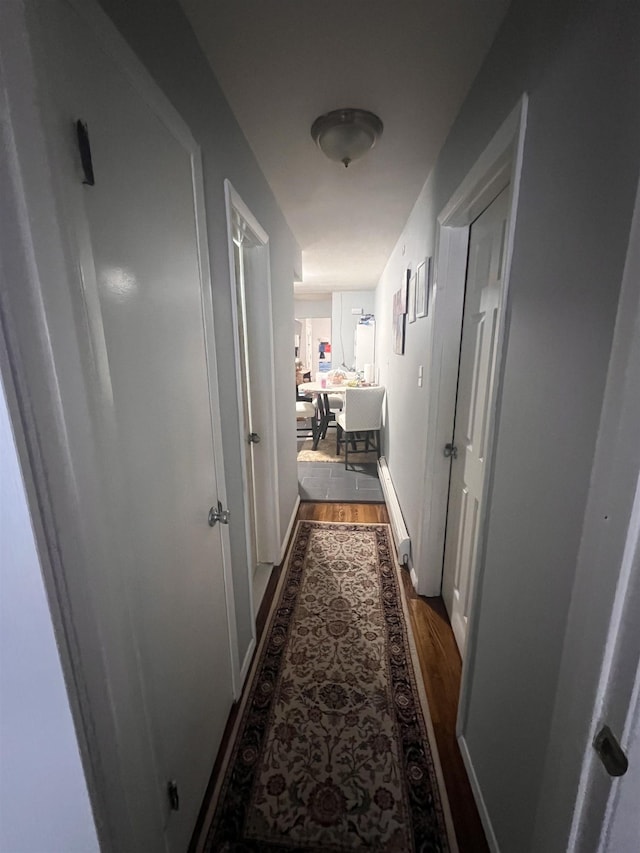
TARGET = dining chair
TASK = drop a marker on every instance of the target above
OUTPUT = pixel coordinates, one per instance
(360, 421)
(306, 411)
(336, 402)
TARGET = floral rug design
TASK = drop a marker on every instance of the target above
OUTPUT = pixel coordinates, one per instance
(331, 751)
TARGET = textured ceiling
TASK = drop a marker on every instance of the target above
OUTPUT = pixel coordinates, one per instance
(281, 63)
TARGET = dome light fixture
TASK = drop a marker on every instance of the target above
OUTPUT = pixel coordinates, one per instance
(345, 135)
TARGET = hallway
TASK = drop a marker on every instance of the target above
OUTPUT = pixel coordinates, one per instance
(138, 138)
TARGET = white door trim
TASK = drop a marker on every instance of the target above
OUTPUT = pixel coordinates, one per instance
(501, 161)
(234, 202)
(499, 164)
(44, 348)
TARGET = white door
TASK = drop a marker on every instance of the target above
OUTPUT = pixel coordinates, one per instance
(476, 376)
(137, 239)
(245, 387)
(255, 369)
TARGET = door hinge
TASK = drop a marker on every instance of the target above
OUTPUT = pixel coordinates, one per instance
(254, 438)
(85, 153)
(218, 514)
(610, 752)
(450, 450)
(174, 796)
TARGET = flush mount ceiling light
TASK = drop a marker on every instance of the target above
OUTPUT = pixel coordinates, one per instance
(345, 135)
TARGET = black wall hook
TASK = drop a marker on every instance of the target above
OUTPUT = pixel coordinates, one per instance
(85, 153)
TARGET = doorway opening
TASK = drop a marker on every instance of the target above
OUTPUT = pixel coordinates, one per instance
(312, 345)
(253, 350)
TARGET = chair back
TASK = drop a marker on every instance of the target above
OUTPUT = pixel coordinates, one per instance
(362, 409)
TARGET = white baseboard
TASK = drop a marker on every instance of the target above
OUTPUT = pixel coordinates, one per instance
(260, 582)
(246, 663)
(477, 795)
(396, 519)
(287, 535)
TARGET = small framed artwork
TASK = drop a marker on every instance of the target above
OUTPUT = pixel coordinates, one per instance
(423, 288)
(398, 323)
(404, 292)
(411, 309)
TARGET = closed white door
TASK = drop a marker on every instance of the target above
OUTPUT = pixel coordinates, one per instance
(476, 376)
(137, 240)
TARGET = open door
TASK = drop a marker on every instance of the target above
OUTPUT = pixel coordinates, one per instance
(253, 332)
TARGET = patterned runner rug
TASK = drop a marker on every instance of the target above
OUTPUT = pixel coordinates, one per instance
(333, 749)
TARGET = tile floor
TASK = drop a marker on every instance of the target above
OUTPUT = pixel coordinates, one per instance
(330, 481)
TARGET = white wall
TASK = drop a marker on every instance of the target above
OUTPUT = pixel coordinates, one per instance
(579, 64)
(596, 683)
(164, 41)
(44, 804)
(404, 445)
(320, 307)
(344, 322)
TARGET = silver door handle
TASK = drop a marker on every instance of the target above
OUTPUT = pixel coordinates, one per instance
(450, 450)
(254, 438)
(217, 514)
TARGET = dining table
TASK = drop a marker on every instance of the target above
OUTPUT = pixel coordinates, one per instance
(321, 391)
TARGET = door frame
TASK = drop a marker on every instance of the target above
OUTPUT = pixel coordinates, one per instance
(499, 165)
(266, 403)
(44, 349)
(449, 561)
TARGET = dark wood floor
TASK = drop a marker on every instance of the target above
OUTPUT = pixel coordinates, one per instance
(441, 668)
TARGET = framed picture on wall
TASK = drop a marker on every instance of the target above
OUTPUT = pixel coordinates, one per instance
(398, 323)
(404, 292)
(423, 288)
(411, 309)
